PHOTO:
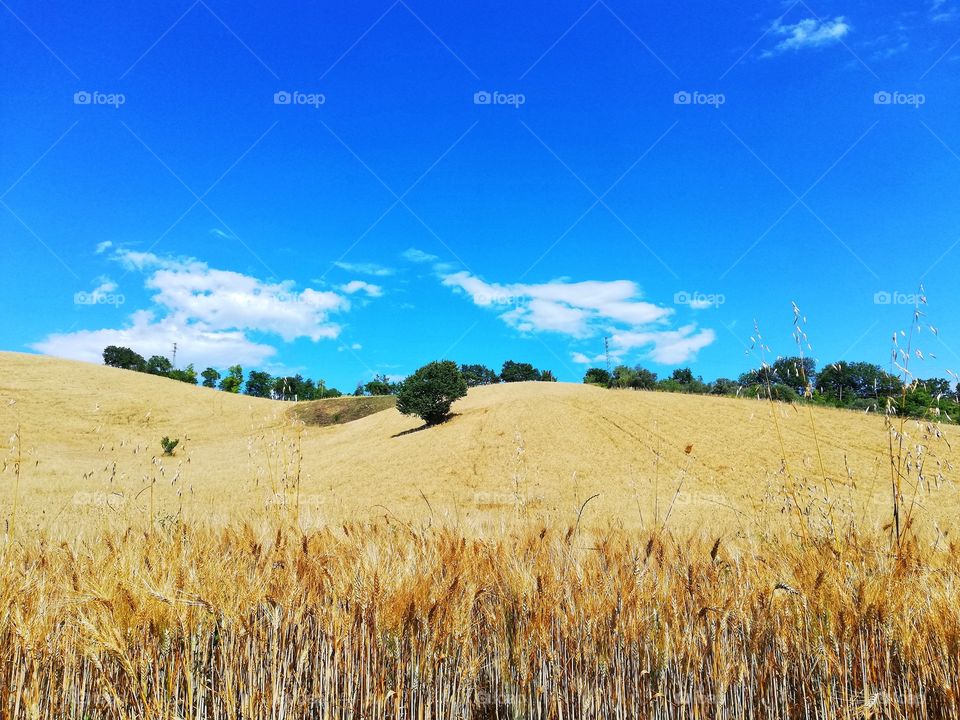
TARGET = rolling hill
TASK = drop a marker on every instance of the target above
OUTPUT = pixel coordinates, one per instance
(90, 450)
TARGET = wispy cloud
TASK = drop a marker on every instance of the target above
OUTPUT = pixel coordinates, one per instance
(586, 309)
(669, 347)
(355, 286)
(418, 256)
(942, 11)
(809, 33)
(365, 268)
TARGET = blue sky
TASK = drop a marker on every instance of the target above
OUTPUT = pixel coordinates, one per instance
(359, 188)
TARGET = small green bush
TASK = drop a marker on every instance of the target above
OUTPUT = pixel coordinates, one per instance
(168, 445)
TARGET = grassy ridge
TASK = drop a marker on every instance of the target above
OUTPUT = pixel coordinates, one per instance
(389, 620)
(336, 411)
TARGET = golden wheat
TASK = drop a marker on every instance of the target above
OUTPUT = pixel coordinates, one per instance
(386, 620)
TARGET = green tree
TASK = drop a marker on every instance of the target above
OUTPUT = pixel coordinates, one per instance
(259, 384)
(210, 377)
(547, 376)
(187, 375)
(478, 375)
(293, 387)
(596, 376)
(518, 372)
(643, 379)
(233, 381)
(670, 385)
(841, 382)
(159, 365)
(123, 357)
(380, 385)
(776, 391)
(797, 372)
(724, 386)
(684, 376)
(937, 386)
(431, 390)
(623, 377)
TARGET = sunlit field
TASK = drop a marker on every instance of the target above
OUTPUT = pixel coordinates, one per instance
(551, 551)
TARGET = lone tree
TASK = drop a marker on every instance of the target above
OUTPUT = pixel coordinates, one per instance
(431, 390)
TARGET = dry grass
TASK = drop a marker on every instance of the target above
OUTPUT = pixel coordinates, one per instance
(554, 551)
(90, 439)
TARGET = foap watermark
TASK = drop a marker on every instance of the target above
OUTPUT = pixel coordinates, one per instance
(314, 100)
(292, 499)
(95, 97)
(684, 97)
(99, 499)
(483, 97)
(886, 97)
(699, 300)
(895, 297)
(502, 299)
(98, 298)
(492, 498)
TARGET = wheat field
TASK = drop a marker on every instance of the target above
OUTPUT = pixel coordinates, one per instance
(553, 551)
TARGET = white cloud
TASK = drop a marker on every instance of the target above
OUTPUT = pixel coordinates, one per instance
(365, 268)
(418, 256)
(151, 336)
(585, 309)
(355, 286)
(670, 347)
(106, 286)
(579, 357)
(208, 313)
(808, 33)
(102, 247)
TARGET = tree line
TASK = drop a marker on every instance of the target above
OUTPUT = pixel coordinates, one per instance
(852, 385)
(258, 383)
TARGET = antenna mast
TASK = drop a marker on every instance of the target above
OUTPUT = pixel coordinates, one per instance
(174, 355)
(606, 350)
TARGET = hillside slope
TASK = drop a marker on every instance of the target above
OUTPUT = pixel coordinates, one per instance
(90, 443)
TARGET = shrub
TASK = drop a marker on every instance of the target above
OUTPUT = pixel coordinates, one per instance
(168, 445)
(431, 390)
(779, 391)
